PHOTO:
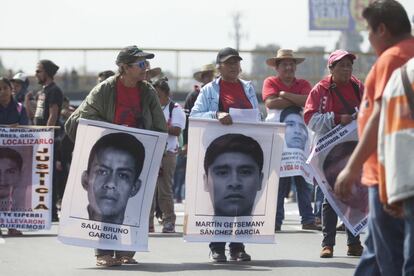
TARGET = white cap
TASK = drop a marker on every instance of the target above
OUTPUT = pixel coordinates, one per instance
(20, 77)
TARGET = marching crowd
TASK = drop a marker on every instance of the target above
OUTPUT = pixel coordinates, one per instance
(136, 96)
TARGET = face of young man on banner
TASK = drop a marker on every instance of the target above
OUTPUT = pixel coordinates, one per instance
(359, 194)
(296, 134)
(9, 176)
(112, 179)
(233, 180)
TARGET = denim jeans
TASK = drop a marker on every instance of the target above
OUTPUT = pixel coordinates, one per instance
(408, 267)
(385, 240)
(304, 194)
(368, 265)
(179, 176)
(329, 221)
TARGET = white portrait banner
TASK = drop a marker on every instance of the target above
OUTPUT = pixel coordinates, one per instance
(297, 142)
(26, 168)
(110, 186)
(232, 176)
(327, 159)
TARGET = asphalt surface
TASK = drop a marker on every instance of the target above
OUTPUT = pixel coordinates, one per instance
(296, 253)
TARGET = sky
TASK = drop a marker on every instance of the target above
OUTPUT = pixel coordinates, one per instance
(151, 24)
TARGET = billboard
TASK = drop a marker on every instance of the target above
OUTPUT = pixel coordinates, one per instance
(337, 15)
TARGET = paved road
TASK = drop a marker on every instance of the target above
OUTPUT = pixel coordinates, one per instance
(296, 253)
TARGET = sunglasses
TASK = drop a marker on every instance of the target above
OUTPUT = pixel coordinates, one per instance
(141, 64)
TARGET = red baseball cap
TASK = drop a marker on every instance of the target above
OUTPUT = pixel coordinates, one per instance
(338, 55)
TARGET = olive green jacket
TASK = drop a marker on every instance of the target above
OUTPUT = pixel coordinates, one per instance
(99, 105)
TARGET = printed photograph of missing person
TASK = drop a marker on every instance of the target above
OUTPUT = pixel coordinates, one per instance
(113, 176)
(334, 162)
(15, 178)
(296, 133)
(233, 174)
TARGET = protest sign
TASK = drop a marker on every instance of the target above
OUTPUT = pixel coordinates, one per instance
(327, 159)
(232, 176)
(26, 170)
(111, 186)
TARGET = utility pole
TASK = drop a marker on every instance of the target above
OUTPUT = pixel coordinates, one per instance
(238, 35)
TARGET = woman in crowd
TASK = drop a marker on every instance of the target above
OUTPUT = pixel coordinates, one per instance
(11, 113)
(334, 100)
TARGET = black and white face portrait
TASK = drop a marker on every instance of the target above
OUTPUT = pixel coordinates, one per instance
(296, 134)
(16, 178)
(233, 174)
(112, 177)
(10, 171)
(334, 163)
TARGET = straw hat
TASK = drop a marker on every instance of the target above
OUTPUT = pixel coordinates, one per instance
(204, 69)
(153, 72)
(283, 54)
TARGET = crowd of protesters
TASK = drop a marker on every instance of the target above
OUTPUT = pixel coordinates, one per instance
(338, 99)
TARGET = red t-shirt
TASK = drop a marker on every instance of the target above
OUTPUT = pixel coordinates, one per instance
(128, 110)
(232, 95)
(350, 95)
(273, 85)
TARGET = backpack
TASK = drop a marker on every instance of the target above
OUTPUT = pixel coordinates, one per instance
(170, 108)
(19, 108)
(355, 86)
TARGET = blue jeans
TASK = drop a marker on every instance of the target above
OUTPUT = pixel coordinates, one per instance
(408, 267)
(368, 265)
(304, 194)
(385, 242)
(179, 177)
(329, 221)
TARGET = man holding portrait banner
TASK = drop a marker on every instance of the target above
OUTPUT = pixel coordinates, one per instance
(234, 176)
(229, 99)
(26, 159)
(125, 99)
(109, 194)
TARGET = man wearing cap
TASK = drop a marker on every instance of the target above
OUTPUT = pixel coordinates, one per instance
(226, 91)
(214, 101)
(124, 99)
(334, 101)
(278, 93)
(20, 83)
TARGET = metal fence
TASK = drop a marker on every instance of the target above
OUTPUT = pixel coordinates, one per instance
(79, 66)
